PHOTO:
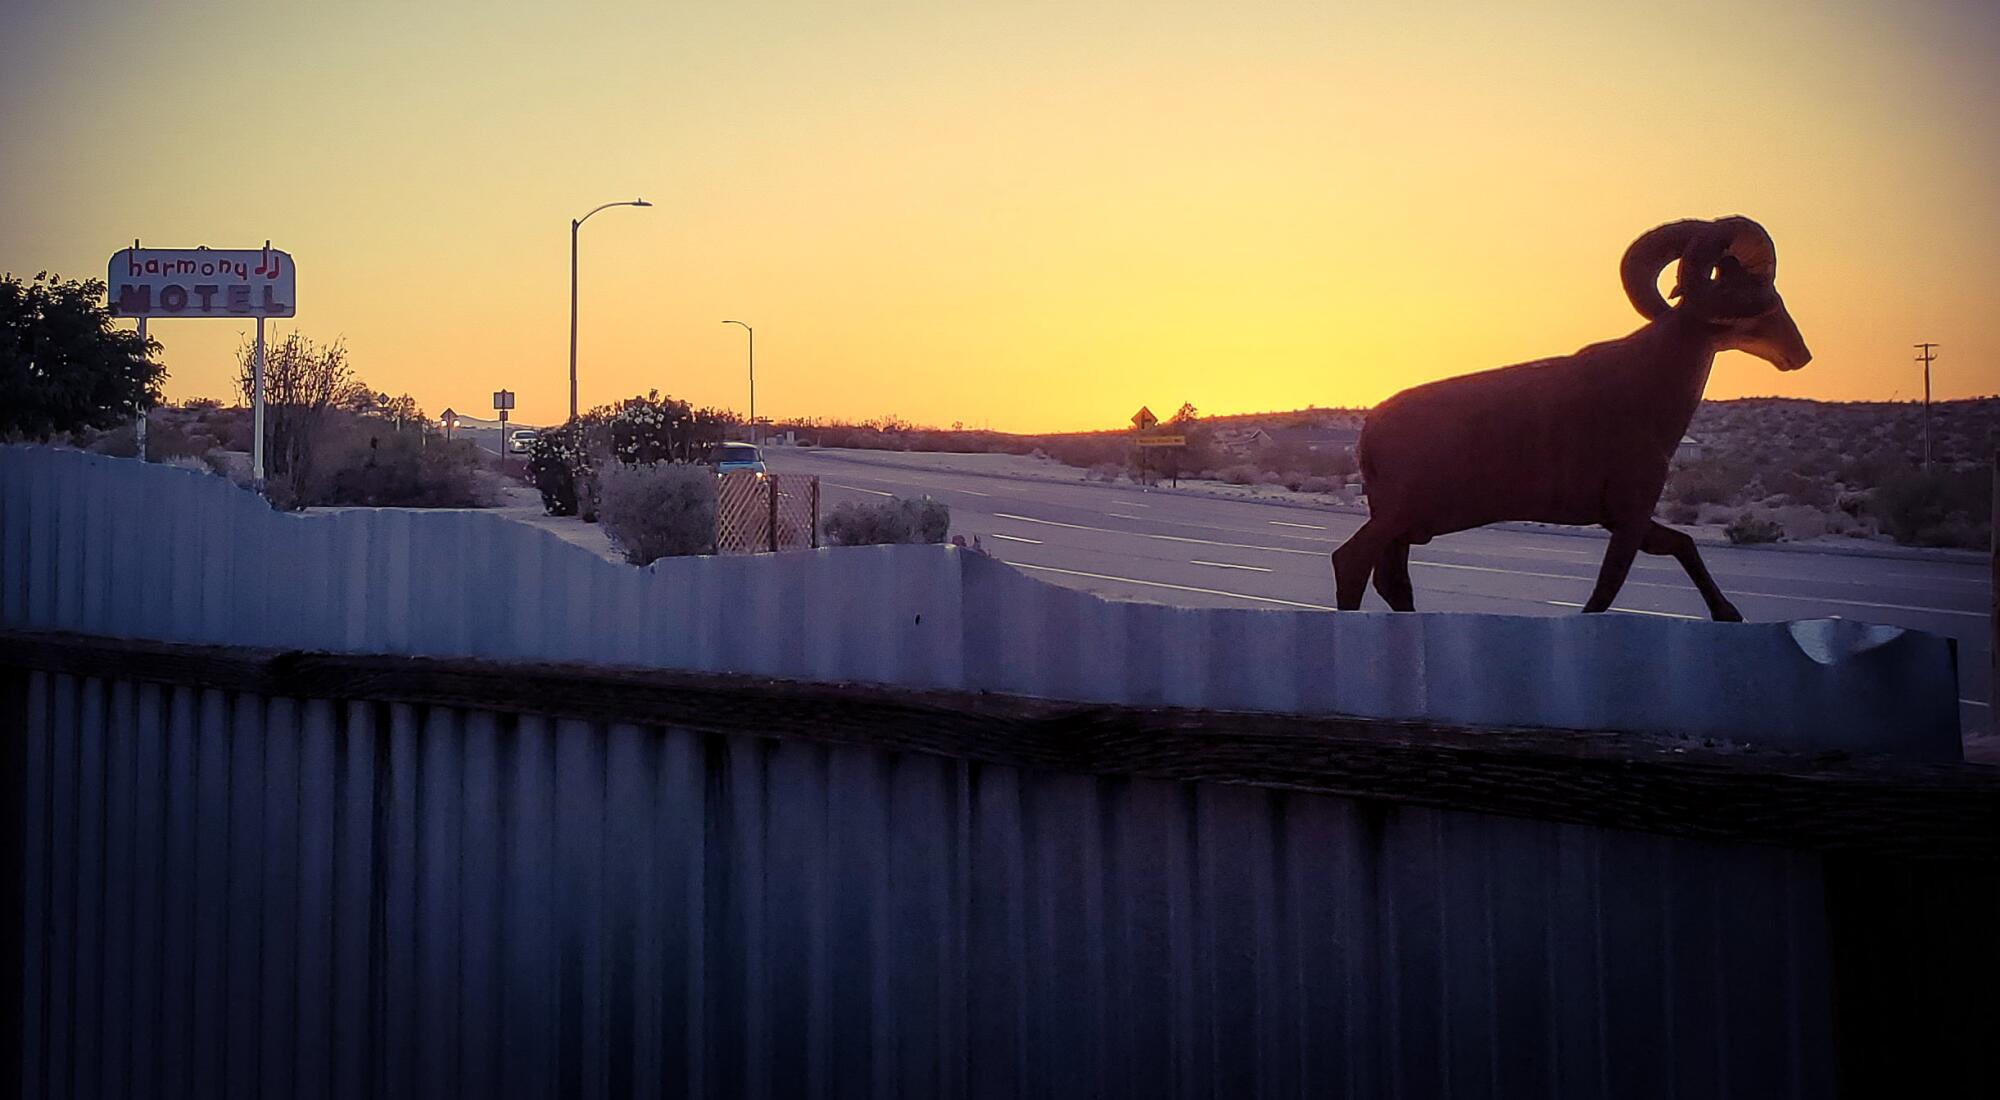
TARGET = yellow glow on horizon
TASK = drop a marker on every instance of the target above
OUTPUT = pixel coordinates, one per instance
(1038, 218)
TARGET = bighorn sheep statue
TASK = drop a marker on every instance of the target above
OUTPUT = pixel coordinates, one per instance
(1583, 439)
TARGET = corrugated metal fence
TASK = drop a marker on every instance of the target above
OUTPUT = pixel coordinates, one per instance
(115, 547)
(232, 895)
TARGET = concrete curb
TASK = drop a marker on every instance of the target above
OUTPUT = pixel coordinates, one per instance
(1859, 550)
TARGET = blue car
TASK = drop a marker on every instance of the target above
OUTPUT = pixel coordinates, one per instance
(736, 456)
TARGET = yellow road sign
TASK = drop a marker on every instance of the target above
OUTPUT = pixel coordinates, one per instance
(1144, 418)
(1162, 441)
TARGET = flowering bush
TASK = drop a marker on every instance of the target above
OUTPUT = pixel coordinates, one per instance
(567, 464)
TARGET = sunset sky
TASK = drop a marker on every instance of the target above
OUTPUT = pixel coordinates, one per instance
(1037, 216)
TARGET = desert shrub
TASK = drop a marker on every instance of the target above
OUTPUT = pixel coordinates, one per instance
(1939, 508)
(189, 462)
(1802, 521)
(1748, 528)
(1874, 468)
(1240, 474)
(281, 491)
(1804, 489)
(406, 469)
(1709, 481)
(168, 437)
(1318, 484)
(896, 520)
(656, 511)
(1105, 471)
(1682, 512)
(234, 465)
(1268, 478)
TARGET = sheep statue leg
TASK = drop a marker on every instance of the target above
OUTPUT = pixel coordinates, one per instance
(1678, 545)
(1626, 539)
(1356, 558)
(1392, 577)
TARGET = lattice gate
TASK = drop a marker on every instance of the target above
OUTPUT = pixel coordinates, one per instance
(769, 512)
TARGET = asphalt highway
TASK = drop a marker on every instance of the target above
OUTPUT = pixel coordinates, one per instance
(1201, 551)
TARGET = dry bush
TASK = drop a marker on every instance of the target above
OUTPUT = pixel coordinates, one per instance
(1801, 521)
(894, 521)
(406, 469)
(658, 511)
(1749, 528)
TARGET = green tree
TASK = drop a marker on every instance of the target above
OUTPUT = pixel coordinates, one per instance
(63, 368)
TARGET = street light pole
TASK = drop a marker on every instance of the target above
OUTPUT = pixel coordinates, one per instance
(753, 376)
(574, 225)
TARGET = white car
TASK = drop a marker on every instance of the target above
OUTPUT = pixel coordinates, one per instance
(522, 440)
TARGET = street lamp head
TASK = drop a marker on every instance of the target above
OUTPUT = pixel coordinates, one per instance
(640, 202)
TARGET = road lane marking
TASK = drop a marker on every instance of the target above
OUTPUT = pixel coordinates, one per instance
(859, 489)
(1846, 602)
(1175, 587)
(1573, 577)
(1233, 545)
(969, 492)
(1017, 538)
(1053, 523)
(1631, 611)
(1307, 526)
(1231, 565)
(1132, 504)
(1976, 703)
(1732, 592)
(1509, 572)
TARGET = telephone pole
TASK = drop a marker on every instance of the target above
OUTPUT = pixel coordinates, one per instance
(1927, 352)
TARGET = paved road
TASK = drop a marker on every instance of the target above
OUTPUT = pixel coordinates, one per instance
(1202, 551)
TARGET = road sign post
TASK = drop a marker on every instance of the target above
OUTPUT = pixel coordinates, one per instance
(503, 403)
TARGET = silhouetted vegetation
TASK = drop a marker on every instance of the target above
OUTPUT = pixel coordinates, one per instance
(63, 367)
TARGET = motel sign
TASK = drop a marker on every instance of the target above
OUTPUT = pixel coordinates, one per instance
(254, 283)
(202, 282)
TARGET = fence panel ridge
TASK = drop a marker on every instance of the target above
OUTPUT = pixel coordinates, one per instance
(220, 567)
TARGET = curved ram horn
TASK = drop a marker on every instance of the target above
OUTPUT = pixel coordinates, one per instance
(1735, 236)
(1650, 255)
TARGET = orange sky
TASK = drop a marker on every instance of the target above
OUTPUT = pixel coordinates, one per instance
(1038, 217)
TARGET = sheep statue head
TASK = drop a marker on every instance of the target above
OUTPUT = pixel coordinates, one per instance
(1726, 281)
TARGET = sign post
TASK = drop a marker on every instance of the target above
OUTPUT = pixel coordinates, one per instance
(139, 426)
(208, 282)
(503, 402)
